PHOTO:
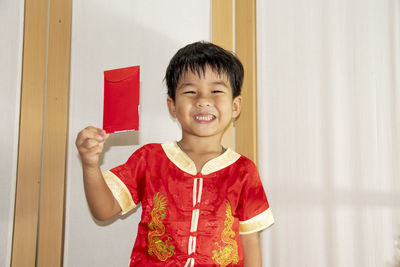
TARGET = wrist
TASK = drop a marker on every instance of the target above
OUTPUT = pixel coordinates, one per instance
(90, 166)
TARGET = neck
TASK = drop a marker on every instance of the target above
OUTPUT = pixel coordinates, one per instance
(201, 145)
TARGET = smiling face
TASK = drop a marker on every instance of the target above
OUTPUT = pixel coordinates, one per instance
(203, 104)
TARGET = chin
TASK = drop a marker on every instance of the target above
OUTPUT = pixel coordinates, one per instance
(203, 133)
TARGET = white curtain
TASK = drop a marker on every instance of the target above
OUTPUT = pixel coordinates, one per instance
(329, 131)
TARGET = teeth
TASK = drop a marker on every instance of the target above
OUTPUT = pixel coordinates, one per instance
(204, 118)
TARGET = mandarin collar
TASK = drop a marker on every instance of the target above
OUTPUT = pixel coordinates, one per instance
(186, 164)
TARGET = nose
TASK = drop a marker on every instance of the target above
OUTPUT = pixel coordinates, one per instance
(203, 101)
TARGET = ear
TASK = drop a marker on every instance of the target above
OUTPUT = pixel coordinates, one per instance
(236, 106)
(171, 107)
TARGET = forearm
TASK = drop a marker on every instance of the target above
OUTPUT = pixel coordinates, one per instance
(101, 201)
(251, 250)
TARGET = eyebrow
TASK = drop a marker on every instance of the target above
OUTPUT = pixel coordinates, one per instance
(219, 83)
(184, 85)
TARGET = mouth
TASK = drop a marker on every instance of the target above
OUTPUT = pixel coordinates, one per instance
(204, 118)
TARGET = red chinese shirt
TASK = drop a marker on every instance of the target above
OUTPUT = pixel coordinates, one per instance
(190, 218)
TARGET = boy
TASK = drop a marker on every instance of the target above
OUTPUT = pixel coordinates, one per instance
(202, 204)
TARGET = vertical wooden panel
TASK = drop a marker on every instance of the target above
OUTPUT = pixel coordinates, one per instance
(245, 47)
(222, 35)
(222, 23)
(30, 138)
(38, 230)
(51, 224)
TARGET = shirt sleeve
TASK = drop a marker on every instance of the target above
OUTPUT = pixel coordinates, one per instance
(125, 181)
(253, 208)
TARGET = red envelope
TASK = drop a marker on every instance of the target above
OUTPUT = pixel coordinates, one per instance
(121, 99)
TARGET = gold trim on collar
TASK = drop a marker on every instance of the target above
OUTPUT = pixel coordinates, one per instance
(179, 158)
(224, 160)
(186, 164)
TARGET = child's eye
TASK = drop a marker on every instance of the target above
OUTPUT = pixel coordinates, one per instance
(216, 91)
(189, 92)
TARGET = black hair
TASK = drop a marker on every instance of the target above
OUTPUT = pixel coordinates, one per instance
(196, 57)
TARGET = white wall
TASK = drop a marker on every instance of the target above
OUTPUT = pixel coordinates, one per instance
(11, 32)
(329, 127)
(108, 35)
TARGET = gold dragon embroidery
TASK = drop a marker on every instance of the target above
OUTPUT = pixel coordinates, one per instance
(229, 253)
(160, 248)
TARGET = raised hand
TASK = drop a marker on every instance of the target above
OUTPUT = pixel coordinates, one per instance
(90, 143)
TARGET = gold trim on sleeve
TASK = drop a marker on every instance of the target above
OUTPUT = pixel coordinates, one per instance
(119, 191)
(257, 223)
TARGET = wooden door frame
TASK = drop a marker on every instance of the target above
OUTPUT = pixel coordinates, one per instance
(40, 190)
(222, 35)
(240, 31)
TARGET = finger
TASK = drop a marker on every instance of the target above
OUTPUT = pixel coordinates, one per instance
(89, 143)
(92, 128)
(91, 152)
(98, 150)
(101, 135)
(89, 132)
(101, 145)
